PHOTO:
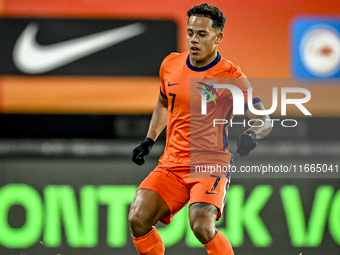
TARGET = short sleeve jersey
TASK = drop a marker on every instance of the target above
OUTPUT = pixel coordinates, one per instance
(190, 135)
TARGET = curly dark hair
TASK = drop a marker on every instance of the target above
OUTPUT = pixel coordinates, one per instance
(209, 11)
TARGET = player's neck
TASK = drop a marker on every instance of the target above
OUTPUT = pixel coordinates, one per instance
(210, 58)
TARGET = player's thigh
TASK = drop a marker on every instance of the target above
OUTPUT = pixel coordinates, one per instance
(169, 185)
(148, 207)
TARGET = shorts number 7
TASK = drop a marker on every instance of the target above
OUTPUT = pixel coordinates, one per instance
(216, 182)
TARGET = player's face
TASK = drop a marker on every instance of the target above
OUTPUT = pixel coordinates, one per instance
(202, 40)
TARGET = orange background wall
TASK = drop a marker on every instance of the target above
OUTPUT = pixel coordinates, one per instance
(256, 38)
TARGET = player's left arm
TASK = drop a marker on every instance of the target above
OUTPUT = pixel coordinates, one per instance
(262, 125)
(260, 128)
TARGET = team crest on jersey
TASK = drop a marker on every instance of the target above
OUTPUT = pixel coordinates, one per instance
(209, 91)
(208, 88)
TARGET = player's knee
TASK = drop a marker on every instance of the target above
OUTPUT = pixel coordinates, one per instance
(138, 220)
(202, 223)
(204, 232)
(135, 219)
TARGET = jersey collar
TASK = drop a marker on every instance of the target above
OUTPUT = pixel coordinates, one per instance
(203, 68)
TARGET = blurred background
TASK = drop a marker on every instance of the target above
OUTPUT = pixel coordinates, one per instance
(78, 83)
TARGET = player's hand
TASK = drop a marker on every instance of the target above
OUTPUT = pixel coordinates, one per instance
(142, 150)
(245, 143)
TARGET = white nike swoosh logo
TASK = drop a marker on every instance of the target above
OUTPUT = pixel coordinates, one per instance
(33, 58)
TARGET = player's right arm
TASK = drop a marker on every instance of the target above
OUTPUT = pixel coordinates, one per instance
(159, 118)
(157, 124)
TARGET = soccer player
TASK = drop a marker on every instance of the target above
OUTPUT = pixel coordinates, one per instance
(169, 187)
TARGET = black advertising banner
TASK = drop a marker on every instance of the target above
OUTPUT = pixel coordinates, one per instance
(96, 47)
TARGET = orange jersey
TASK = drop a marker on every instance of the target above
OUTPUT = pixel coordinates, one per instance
(191, 137)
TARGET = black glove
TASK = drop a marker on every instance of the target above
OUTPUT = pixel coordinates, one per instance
(245, 143)
(142, 150)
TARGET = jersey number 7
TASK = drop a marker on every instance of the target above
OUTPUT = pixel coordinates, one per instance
(172, 101)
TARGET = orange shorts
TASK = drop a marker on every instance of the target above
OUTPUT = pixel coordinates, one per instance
(178, 187)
